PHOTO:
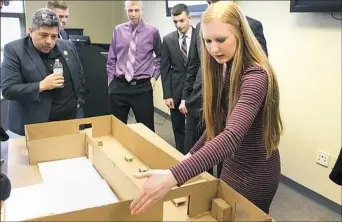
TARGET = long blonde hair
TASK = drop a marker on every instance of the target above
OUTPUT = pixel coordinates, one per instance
(248, 53)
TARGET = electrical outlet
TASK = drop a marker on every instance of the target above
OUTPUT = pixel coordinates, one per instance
(322, 159)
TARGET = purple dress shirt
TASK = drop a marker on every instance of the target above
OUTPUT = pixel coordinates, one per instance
(148, 41)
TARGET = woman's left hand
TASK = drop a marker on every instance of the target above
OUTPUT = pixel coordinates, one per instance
(158, 184)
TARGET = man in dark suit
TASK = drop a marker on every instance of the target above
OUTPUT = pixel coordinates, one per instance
(62, 11)
(5, 183)
(178, 58)
(194, 124)
(36, 93)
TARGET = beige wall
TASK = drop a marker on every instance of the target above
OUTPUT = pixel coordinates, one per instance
(305, 50)
(98, 18)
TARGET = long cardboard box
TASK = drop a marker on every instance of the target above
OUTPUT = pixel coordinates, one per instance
(117, 152)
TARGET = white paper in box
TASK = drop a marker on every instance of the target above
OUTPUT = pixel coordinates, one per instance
(68, 170)
(76, 196)
(28, 202)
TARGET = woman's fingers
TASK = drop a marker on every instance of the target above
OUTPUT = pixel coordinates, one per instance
(136, 200)
(150, 202)
(143, 174)
(137, 207)
(154, 189)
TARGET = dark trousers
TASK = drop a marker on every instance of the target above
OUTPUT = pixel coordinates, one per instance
(193, 131)
(178, 126)
(136, 95)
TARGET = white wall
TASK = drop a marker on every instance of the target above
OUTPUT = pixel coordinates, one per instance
(305, 50)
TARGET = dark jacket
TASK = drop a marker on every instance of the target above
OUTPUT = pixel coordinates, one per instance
(174, 69)
(64, 35)
(336, 173)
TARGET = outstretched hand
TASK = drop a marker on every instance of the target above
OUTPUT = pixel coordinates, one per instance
(158, 184)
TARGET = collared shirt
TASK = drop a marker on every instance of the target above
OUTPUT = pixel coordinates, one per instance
(148, 42)
(188, 39)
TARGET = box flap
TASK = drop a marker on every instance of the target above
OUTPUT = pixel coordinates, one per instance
(116, 178)
(199, 201)
(56, 148)
(113, 212)
(100, 124)
(242, 208)
(50, 129)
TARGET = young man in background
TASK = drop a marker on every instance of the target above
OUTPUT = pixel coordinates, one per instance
(179, 58)
(62, 11)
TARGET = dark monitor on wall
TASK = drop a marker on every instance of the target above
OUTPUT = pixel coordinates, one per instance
(316, 6)
(74, 31)
(196, 8)
(80, 39)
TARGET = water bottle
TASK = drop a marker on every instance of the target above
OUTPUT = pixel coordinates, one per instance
(58, 68)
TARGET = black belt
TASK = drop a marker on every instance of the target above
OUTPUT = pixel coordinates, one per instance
(133, 82)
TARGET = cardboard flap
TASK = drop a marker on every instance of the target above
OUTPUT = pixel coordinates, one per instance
(199, 201)
(113, 212)
(50, 129)
(101, 125)
(195, 188)
(242, 209)
(116, 178)
(141, 148)
(56, 148)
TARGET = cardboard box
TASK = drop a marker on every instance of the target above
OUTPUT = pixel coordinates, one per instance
(124, 150)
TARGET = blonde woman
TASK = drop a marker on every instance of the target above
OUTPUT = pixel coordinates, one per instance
(241, 112)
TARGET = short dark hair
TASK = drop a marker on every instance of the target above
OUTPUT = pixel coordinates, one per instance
(212, 1)
(179, 9)
(56, 4)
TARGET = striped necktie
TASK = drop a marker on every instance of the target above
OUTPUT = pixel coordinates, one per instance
(184, 48)
(131, 56)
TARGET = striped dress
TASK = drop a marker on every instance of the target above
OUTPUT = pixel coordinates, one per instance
(240, 145)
